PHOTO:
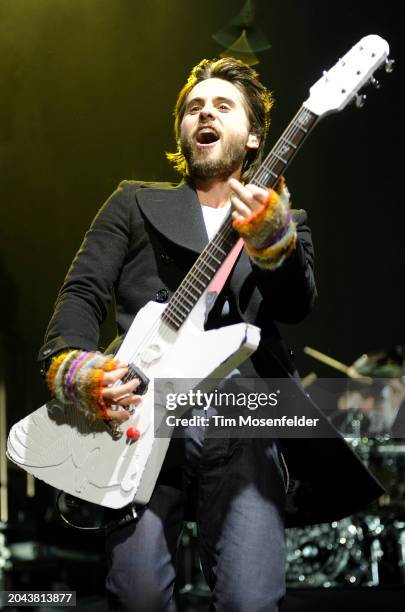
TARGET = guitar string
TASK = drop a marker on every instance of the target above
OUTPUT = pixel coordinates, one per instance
(270, 163)
(291, 131)
(198, 272)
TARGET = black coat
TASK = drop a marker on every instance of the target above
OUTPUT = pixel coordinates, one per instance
(139, 247)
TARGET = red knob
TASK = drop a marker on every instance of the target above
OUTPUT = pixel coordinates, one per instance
(133, 433)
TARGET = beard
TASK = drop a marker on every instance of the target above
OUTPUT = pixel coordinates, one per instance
(221, 163)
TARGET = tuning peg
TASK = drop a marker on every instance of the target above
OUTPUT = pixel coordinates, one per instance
(375, 83)
(389, 65)
(360, 100)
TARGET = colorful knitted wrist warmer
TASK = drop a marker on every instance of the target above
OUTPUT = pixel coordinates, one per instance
(269, 232)
(77, 377)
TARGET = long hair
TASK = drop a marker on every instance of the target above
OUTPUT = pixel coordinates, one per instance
(258, 101)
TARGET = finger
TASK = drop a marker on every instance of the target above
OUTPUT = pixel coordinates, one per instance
(127, 400)
(241, 208)
(111, 394)
(121, 364)
(248, 192)
(258, 192)
(236, 216)
(252, 200)
(114, 375)
(240, 191)
(117, 362)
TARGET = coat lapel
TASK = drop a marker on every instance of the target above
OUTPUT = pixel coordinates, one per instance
(176, 213)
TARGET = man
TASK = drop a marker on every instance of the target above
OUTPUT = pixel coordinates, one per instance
(142, 244)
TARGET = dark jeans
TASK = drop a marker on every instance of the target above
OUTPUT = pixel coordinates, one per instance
(236, 488)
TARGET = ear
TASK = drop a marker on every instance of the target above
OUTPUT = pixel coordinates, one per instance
(253, 141)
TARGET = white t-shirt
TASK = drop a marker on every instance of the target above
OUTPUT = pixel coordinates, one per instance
(213, 218)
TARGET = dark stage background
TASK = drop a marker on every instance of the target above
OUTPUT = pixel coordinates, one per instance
(87, 92)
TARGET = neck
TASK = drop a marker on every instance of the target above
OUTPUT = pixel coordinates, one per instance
(214, 192)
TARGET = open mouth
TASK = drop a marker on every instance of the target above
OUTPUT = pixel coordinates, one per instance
(207, 136)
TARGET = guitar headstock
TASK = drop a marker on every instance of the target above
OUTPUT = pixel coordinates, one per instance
(341, 84)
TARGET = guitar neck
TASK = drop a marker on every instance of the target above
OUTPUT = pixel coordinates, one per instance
(214, 254)
(285, 148)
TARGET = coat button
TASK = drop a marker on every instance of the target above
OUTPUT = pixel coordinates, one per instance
(162, 295)
(165, 258)
(291, 352)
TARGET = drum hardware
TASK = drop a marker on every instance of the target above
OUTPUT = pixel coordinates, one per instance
(360, 443)
(345, 553)
(387, 462)
(376, 555)
(375, 530)
(27, 550)
(401, 548)
(5, 557)
(326, 555)
(391, 450)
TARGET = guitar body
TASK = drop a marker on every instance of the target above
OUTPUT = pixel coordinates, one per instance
(79, 455)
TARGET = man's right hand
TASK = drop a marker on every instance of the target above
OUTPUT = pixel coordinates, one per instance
(118, 397)
(89, 380)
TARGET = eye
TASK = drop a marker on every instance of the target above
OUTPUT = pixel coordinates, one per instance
(224, 107)
(194, 109)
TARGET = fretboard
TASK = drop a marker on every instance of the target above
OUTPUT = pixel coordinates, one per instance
(210, 260)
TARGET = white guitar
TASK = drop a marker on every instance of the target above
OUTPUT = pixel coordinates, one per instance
(85, 458)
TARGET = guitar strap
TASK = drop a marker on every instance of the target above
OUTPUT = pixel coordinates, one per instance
(216, 285)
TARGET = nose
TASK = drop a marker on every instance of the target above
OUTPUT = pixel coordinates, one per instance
(206, 113)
